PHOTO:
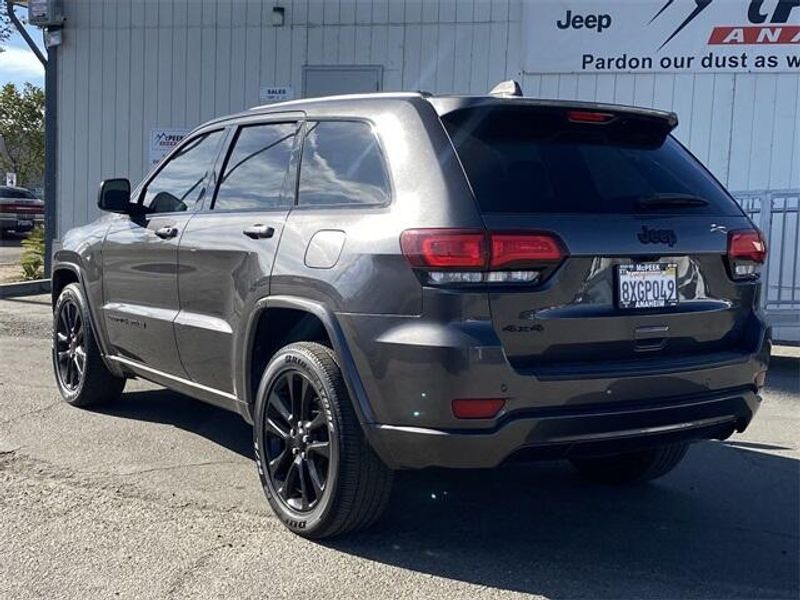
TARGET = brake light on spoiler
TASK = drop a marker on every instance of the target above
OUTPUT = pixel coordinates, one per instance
(469, 256)
(586, 116)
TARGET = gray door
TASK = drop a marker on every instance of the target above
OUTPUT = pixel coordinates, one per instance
(227, 251)
(330, 81)
(140, 259)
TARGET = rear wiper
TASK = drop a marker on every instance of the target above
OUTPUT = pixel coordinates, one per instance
(671, 200)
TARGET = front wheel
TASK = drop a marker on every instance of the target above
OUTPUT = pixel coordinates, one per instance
(319, 474)
(81, 375)
(631, 466)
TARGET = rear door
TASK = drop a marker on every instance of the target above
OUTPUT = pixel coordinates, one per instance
(227, 251)
(643, 227)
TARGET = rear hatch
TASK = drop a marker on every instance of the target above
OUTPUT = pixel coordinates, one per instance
(644, 279)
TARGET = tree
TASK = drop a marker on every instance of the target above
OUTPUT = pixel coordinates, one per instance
(6, 28)
(22, 132)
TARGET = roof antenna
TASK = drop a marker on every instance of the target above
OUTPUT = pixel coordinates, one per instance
(507, 89)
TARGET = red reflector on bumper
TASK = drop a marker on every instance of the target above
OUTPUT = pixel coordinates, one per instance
(477, 408)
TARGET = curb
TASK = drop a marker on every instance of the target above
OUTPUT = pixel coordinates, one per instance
(25, 288)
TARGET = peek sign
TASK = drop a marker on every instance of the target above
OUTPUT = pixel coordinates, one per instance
(662, 36)
(162, 141)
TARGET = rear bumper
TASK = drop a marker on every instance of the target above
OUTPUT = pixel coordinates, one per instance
(11, 221)
(563, 432)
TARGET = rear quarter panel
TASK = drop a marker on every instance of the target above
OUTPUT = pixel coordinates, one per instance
(371, 275)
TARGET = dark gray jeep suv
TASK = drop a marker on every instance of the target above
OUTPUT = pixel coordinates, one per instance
(395, 281)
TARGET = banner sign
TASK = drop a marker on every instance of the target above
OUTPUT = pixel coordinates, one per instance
(662, 36)
(162, 141)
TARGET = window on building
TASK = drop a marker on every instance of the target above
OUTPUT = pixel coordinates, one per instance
(180, 184)
(256, 169)
(342, 164)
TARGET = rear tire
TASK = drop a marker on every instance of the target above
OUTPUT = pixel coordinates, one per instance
(319, 473)
(81, 375)
(629, 467)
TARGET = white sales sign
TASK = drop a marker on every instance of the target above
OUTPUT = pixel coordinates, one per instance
(276, 93)
(662, 36)
(162, 141)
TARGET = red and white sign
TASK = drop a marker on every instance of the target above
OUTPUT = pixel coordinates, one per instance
(662, 36)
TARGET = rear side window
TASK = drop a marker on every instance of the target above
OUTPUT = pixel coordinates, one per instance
(256, 168)
(523, 161)
(342, 164)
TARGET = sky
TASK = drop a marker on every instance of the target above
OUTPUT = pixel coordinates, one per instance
(18, 64)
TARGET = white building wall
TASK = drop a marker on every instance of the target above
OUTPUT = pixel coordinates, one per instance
(128, 67)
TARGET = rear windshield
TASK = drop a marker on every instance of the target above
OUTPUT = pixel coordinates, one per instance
(524, 161)
(7, 192)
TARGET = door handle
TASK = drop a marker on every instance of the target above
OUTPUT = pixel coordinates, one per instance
(259, 232)
(167, 232)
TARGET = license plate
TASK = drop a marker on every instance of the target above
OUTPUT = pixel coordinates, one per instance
(24, 222)
(647, 285)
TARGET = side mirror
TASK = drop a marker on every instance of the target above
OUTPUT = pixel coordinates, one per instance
(115, 196)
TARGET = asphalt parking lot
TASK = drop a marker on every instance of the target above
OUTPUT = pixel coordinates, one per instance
(10, 249)
(157, 497)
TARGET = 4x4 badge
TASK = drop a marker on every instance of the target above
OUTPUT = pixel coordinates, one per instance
(657, 236)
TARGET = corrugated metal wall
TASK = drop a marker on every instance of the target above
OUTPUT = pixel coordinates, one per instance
(127, 67)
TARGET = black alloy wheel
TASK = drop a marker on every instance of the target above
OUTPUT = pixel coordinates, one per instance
(297, 441)
(70, 346)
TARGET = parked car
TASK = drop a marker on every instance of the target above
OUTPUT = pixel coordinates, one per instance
(20, 210)
(401, 281)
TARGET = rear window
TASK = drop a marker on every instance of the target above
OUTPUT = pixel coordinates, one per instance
(523, 161)
(7, 192)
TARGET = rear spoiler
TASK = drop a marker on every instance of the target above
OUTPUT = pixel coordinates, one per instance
(662, 119)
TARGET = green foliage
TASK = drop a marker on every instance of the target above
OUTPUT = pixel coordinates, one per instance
(22, 132)
(33, 255)
(5, 27)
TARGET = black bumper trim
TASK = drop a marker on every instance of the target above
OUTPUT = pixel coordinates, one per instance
(700, 417)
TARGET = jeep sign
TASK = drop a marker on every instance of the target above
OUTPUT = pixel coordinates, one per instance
(662, 36)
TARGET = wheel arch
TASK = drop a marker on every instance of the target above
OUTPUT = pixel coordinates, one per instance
(249, 376)
(65, 273)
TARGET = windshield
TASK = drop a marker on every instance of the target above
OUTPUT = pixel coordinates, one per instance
(521, 161)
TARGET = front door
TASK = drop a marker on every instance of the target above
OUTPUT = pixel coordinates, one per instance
(226, 253)
(140, 258)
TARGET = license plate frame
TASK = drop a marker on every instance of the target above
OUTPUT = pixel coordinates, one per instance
(646, 286)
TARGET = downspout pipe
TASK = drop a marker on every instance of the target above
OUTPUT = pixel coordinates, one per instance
(24, 33)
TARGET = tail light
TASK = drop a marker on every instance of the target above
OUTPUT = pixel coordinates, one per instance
(33, 209)
(747, 251)
(456, 256)
(444, 248)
